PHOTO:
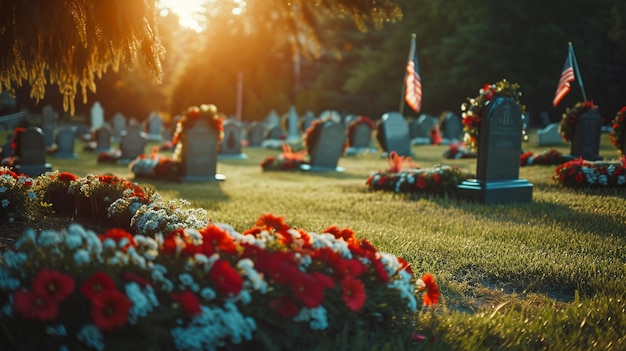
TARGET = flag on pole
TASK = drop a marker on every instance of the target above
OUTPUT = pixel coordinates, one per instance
(412, 80)
(567, 76)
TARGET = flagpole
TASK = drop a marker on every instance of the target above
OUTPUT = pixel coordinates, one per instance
(411, 54)
(576, 69)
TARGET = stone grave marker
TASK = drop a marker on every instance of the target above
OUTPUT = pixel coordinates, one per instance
(292, 120)
(306, 121)
(549, 135)
(393, 134)
(497, 166)
(328, 148)
(452, 128)
(586, 138)
(97, 116)
(155, 127)
(420, 129)
(32, 153)
(132, 144)
(49, 116)
(103, 136)
(256, 134)
(48, 135)
(65, 140)
(199, 159)
(276, 133)
(119, 126)
(332, 115)
(272, 120)
(230, 147)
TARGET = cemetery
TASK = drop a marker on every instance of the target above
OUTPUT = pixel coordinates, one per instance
(270, 194)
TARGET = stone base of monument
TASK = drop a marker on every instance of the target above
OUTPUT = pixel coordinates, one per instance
(232, 156)
(33, 171)
(214, 178)
(570, 157)
(496, 191)
(310, 168)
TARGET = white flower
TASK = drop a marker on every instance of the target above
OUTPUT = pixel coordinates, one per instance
(90, 335)
(5, 203)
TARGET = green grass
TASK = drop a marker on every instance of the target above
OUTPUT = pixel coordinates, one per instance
(546, 275)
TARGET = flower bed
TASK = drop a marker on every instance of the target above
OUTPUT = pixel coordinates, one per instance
(549, 157)
(580, 173)
(175, 281)
(17, 199)
(404, 177)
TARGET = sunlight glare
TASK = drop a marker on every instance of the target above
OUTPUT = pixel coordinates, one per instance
(192, 13)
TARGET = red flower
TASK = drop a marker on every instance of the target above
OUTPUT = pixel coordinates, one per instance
(226, 278)
(353, 293)
(279, 266)
(66, 177)
(345, 233)
(430, 288)
(32, 306)
(214, 237)
(98, 283)
(421, 181)
(309, 288)
(437, 178)
(269, 220)
(117, 235)
(109, 309)
(56, 285)
(284, 306)
(188, 301)
(579, 178)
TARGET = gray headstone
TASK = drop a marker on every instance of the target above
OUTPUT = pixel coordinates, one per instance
(49, 116)
(155, 127)
(422, 126)
(233, 133)
(132, 144)
(276, 133)
(393, 134)
(256, 134)
(292, 124)
(103, 136)
(199, 159)
(48, 135)
(549, 135)
(361, 136)
(329, 146)
(499, 149)
(307, 120)
(272, 120)
(97, 116)
(452, 127)
(65, 140)
(586, 139)
(32, 153)
(119, 126)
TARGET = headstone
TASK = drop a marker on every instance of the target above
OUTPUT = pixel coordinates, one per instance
(332, 115)
(452, 128)
(328, 148)
(549, 135)
(420, 129)
(306, 121)
(347, 119)
(276, 133)
(65, 140)
(361, 136)
(119, 126)
(33, 153)
(48, 135)
(499, 148)
(199, 159)
(256, 134)
(230, 148)
(393, 134)
(49, 116)
(97, 116)
(155, 127)
(103, 136)
(586, 138)
(292, 124)
(132, 144)
(272, 120)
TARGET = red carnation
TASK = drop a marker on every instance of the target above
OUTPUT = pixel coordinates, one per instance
(188, 301)
(98, 283)
(56, 285)
(227, 280)
(430, 288)
(109, 310)
(284, 306)
(32, 306)
(353, 293)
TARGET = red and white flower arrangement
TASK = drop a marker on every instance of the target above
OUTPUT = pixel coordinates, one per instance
(570, 118)
(549, 157)
(617, 132)
(580, 173)
(202, 288)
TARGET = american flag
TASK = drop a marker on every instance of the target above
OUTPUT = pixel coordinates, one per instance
(567, 76)
(412, 80)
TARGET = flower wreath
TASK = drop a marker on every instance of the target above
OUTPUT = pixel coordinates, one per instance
(189, 119)
(568, 121)
(312, 135)
(617, 134)
(473, 108)
(354, 123)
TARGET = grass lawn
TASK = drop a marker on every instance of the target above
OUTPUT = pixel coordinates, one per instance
(545, 275)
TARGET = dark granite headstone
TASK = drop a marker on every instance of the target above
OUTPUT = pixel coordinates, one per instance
(452, 127)
(104, 135)
(256, 134)
(155, 127)
(119, 126)
(276, 133)
(361, 136)
(33, 153)
(199, 159)
(328, 148)
(393, 134)
(133, 144)
(420, 129)
(499, 148)
(586, 138)
(65, 140)
(231, 143)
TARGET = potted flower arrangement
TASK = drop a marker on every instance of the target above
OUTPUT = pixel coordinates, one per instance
(54, 188)
(474, 108)
(288, 160)
(17, 198)
(570, 117)
(581, 173)
(617, 137)
(269, 287)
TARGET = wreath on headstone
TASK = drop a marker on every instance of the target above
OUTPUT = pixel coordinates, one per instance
(570, 117)
(473, 109)
(617, 133)
(190, 117)
(354, 123)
